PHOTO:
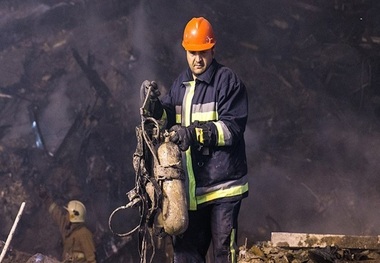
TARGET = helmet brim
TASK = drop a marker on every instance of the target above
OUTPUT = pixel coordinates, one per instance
(192, 47)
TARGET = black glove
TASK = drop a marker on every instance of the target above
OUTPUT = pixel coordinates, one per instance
(154, 92)
(183, 136)
(153, 107)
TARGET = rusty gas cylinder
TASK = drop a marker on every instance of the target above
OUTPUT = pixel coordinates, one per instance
(169, 171)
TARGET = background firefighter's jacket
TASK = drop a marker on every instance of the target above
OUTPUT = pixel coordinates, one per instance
(78, 242)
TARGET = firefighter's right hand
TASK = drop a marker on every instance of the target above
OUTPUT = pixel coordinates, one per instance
(152, 106)
(182, 136)
(154, 92)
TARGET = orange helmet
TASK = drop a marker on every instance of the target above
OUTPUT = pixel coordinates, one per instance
(198, 35)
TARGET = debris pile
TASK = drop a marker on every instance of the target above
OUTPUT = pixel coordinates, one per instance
(312, 248)
(266, 252)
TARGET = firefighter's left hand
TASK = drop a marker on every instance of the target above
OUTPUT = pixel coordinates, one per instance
(183, 136)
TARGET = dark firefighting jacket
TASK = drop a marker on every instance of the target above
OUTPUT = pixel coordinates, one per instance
(216, 167)
(78, 243)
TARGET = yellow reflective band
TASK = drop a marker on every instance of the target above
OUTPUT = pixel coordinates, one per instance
(178, 118)
(187, 105)
(192, 184)
(233, 246)
(164, 116)
(229, 192)
(220, 140)
(185, 119)
(205, 116)
(199, 135)
(163, 121)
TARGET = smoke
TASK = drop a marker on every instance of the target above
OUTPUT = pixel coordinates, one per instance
(323, 180)
(55, 119)
(20, 126)
(141, 39)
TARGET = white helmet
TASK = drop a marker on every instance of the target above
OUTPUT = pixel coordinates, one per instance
(77, 211)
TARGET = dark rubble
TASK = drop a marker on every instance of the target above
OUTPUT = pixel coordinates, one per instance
(266, 252)
(74, 68)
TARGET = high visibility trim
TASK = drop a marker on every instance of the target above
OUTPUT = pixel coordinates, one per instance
(199, 135)
(185, 120)
(178, 118)
(191, 182)
(187, 100)
(196, 115)
(229, 192)
(163, 120)
(226, 185)
(220, 139)
(178, 114)
(206, 107)
(204, 112)
(233, 246)
(204, 116)
(224, 135)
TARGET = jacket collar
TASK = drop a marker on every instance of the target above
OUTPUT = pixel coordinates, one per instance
(205, 76)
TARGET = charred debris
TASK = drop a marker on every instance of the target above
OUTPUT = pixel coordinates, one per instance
(69, 78)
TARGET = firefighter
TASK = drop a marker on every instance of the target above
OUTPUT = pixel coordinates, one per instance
(77, 239)
(206, 109)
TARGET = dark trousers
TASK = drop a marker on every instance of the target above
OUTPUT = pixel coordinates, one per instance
(215, 222)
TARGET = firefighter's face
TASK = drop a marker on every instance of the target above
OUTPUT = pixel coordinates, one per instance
(199, 61)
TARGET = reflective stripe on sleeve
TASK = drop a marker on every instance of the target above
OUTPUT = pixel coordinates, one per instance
(224, 135)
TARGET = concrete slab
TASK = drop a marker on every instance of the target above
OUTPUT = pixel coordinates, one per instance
(305, 240)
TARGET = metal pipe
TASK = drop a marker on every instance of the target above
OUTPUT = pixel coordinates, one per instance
(5, 248)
